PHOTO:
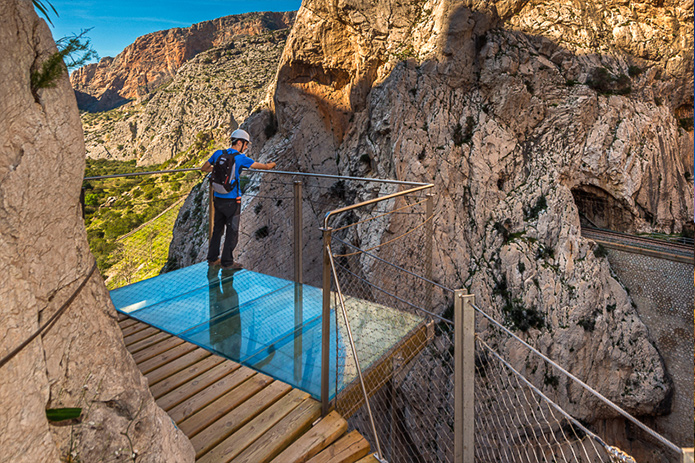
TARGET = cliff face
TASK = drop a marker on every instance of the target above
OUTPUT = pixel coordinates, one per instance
(81, 361)
(512, 109)
(205, 100)
(154, 59)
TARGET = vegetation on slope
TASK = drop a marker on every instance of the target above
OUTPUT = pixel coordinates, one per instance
(115, 208)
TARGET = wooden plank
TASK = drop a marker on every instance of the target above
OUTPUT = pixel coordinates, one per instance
(166, 357)
(145, 343)
(126, 322)
(321, 435)
(208, 438)
(176, 380)
(121, 316)
(177, 365)
(249, 433)
(286, 431)
(139, 326)
(349, 449)
(140, 335)
(156, 349)
(223, 405)
(369, 459)
(188, 398)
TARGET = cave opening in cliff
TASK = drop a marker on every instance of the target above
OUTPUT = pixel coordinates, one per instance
(599, 209)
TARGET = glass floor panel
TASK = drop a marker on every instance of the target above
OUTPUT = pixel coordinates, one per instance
(266, 323)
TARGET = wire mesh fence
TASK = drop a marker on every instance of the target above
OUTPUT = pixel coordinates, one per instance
(400, 319)
(383, 263)
(379, 255)
(542, 419)
(516, 421)
(130, 221)
(142, 253)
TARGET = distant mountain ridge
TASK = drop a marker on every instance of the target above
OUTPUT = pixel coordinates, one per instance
(153, 59)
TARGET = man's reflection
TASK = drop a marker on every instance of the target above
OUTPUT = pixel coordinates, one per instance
(225, 320)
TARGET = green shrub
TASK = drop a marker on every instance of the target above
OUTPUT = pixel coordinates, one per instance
(532, 212)
(262, 232)
(91, 199)
(587, 323)
(600, 251)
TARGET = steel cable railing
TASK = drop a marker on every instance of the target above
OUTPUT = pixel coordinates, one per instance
(403, 340)
(524, 424)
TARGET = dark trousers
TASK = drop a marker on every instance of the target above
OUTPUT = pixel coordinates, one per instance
(225, 318)
(226, 216)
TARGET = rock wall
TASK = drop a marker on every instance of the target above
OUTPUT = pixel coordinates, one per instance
(206, 99)
(506, 122)
(664, 296)
(81, 361)
(154, 59)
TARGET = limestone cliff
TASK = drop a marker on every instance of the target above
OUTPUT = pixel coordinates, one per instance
(154, 59)
(205, 100)
(512, 108)
(81, 361)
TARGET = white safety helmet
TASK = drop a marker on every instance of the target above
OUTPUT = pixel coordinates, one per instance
(239, 134)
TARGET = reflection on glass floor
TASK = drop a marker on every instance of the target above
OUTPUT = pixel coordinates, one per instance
(267, 323)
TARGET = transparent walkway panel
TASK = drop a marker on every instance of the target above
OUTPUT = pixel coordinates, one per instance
(266, 323)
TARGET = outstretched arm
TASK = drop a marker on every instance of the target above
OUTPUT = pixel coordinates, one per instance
(260, 165)
(207, 167)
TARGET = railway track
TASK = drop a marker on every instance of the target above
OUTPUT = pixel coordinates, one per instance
(680, 252)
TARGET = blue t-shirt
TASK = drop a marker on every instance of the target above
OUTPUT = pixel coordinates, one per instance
(241, 162)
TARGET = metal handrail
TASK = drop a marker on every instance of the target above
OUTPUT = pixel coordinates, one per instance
(136, 174)
(422, 186)
(339, 177)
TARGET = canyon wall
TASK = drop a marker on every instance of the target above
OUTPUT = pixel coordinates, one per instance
(509, 108)
(154, 59)
(81, 360)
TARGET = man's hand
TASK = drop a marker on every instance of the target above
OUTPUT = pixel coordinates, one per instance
(271, 165)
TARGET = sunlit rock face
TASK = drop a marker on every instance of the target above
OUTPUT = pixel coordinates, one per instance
(81, 361)
(153, 59)
(180, 111)
(512, 109)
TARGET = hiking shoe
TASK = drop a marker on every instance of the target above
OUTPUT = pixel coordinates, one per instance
(234, 266)
(215, 263)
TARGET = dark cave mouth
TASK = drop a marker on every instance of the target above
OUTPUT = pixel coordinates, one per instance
(599, 209)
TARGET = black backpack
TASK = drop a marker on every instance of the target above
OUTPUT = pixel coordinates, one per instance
(223, 173)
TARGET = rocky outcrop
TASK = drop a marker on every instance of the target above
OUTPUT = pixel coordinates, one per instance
(80, 361)
(508, 121)
(204, 101)
(154, 59)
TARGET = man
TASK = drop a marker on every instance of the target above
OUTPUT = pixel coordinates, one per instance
(228, 205)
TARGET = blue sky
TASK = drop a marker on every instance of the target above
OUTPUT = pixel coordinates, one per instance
(117, 24)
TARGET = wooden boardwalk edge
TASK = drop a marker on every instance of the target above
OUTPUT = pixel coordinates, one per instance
(231, 412)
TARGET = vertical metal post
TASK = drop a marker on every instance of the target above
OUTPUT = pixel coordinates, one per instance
(326, 322)
(298, 227)
(429, 246)
(464, 377)
(82, 201)
(298, 280)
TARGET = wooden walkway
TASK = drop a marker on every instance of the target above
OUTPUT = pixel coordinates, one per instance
(232, 413)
